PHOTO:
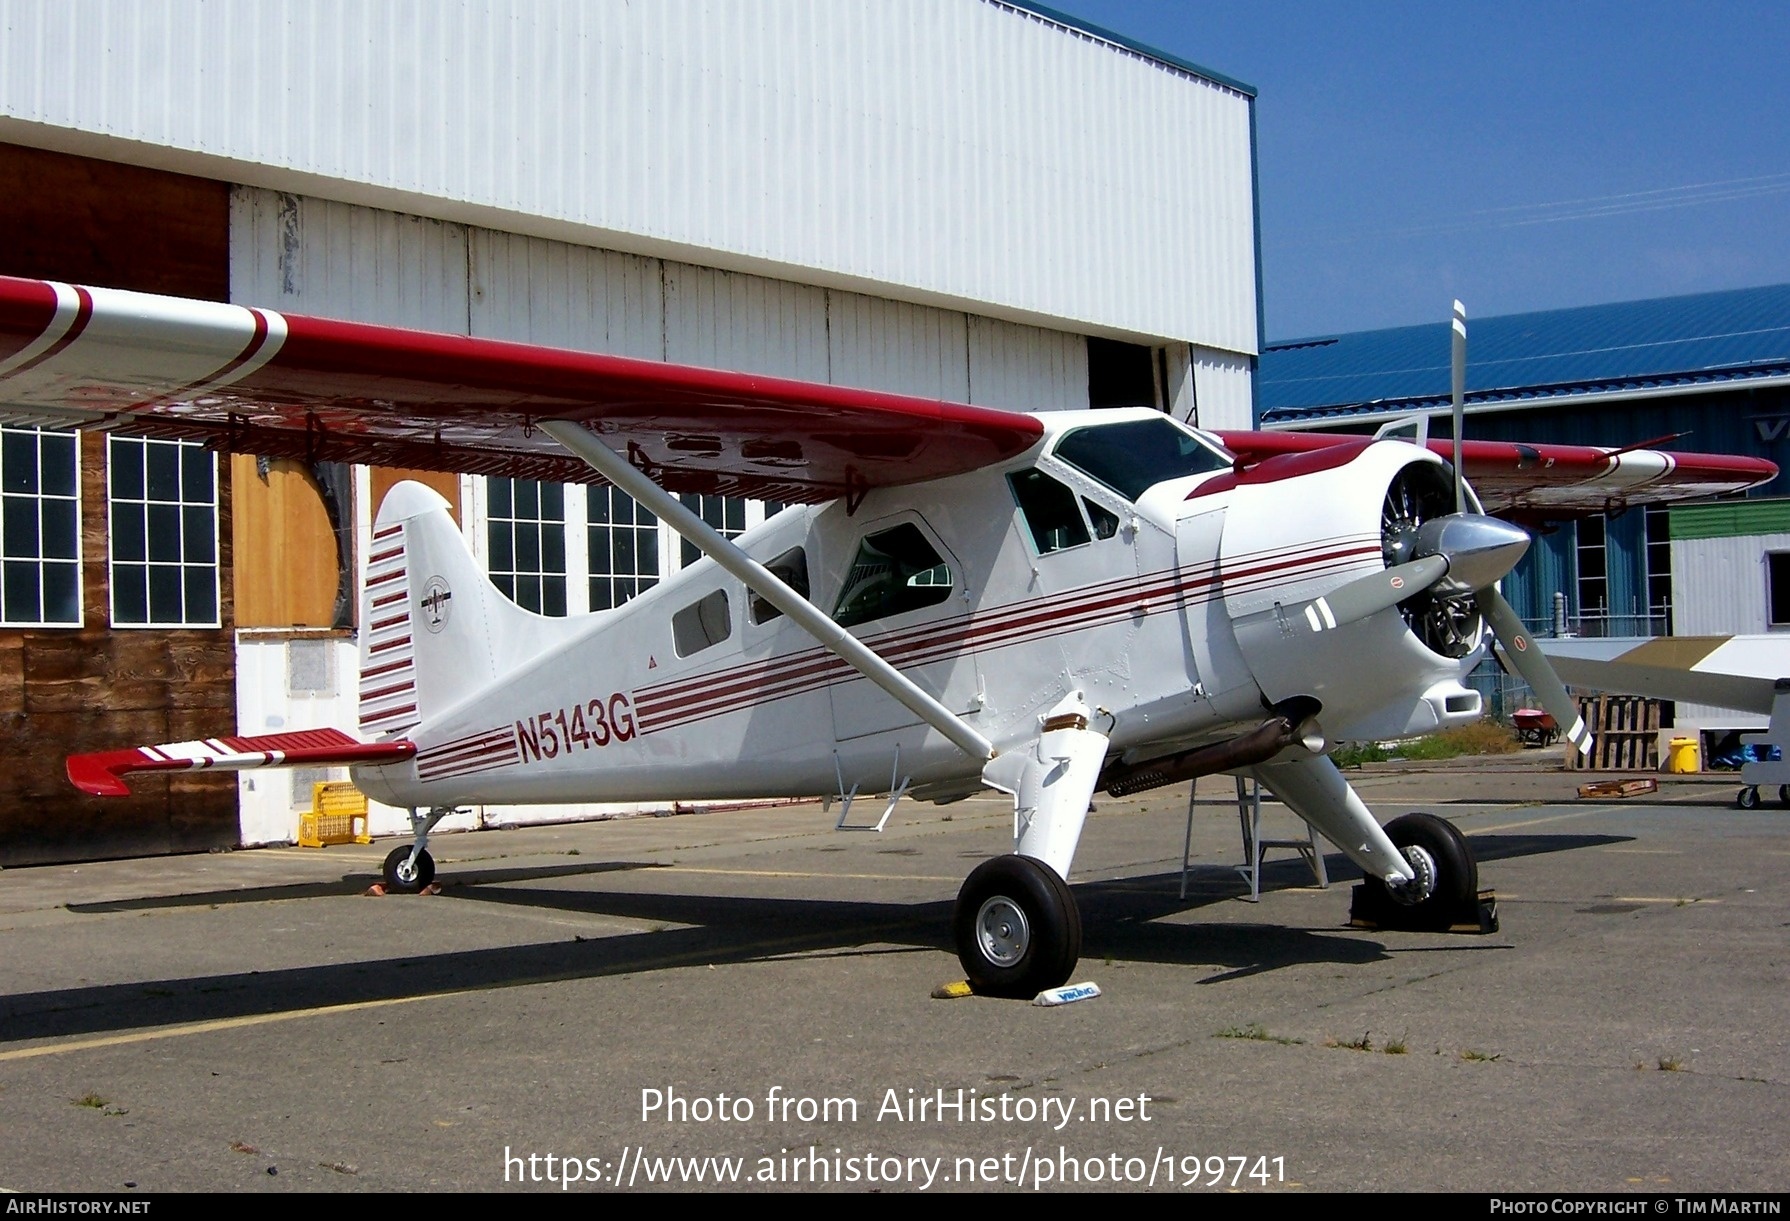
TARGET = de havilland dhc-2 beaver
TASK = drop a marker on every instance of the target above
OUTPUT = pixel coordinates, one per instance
(958, 598)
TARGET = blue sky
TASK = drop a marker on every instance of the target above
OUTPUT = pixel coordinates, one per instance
(1519, 156)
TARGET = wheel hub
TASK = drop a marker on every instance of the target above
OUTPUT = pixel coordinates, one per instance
(406, 870)
(1423, 885)
(1003, 932)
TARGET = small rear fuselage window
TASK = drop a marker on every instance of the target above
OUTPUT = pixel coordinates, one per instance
(895, 570)
(701, 624)
(1132, 456)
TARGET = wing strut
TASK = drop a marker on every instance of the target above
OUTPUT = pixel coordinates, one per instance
(761, 581)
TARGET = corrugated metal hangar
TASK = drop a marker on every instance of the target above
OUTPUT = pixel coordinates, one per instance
(966, 199)
(1713, 368)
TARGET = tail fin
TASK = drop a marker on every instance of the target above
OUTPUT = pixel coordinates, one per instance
(435, 631)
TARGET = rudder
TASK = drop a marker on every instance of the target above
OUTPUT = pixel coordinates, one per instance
(436, 631)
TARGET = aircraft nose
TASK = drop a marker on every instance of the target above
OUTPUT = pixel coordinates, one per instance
(1478, 549)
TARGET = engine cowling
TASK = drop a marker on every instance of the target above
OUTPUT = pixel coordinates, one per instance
(1301, 528)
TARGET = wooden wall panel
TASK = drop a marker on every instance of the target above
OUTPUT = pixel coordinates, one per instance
(120, 226)
(62, 691)
(383, 477)
(286, 570)
(66, 691)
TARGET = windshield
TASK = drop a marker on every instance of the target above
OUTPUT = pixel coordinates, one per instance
(1134, 455)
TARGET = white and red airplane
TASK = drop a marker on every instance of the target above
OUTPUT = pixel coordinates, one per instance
(961, 597)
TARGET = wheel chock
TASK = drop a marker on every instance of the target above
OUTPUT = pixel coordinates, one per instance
(1371, 908)
(378, 891)
(953, 990)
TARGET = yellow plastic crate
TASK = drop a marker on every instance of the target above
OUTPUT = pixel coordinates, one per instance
(338, 815)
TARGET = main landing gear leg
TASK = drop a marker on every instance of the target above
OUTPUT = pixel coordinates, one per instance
(410, 870)
(1420, 872)
(1017, 927)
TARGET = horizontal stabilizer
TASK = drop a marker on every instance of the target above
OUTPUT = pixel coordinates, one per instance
(1738, 672)
(101, 774)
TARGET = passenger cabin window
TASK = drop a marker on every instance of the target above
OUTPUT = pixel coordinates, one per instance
(701, 624)
(1049, 511)
(1135, 455)
(895, 570)
(792, 569)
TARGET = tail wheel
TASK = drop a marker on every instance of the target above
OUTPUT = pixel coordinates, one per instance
(1017, 928)
(1438, 852)
(404, 877)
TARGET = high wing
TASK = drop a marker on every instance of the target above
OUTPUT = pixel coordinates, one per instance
(1550, 481)
(247, 380)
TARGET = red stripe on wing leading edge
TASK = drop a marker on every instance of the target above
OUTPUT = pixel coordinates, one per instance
(25, 315)
(83, 315)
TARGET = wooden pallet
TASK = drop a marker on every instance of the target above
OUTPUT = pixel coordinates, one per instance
(1619, 788)
(1625, 733)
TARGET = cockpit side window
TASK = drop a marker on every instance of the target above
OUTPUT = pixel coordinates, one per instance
(895, 570)
(1132, 456)
(1049, 511)
(1106, 523)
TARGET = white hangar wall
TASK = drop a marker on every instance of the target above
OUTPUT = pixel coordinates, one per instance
(959, 153)
(338, 260)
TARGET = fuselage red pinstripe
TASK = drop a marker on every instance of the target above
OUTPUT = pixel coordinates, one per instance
(684, 701)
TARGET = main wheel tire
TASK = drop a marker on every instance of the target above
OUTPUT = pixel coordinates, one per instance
(1456, 885)
(1017, 928)
(402, 877)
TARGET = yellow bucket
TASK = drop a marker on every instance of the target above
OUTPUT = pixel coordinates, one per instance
(1682, 757)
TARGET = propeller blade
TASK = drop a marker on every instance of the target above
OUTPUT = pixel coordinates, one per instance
(1459, 364)
(1372, 594)
(1536, 670)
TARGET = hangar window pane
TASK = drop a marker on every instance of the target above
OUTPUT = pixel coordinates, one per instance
(525, 528)
(895, 571)
(624, 548)
(164, 533)
(726, 514)
(40, 515)
(1594, 582)
(1659, 569)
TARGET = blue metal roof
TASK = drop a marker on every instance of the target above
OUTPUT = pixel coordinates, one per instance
(1709, 339)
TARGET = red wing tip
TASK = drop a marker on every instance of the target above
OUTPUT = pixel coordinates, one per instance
(97, 774)
(101, 774)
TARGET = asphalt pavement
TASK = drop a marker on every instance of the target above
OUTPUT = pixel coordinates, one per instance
(747, 997)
